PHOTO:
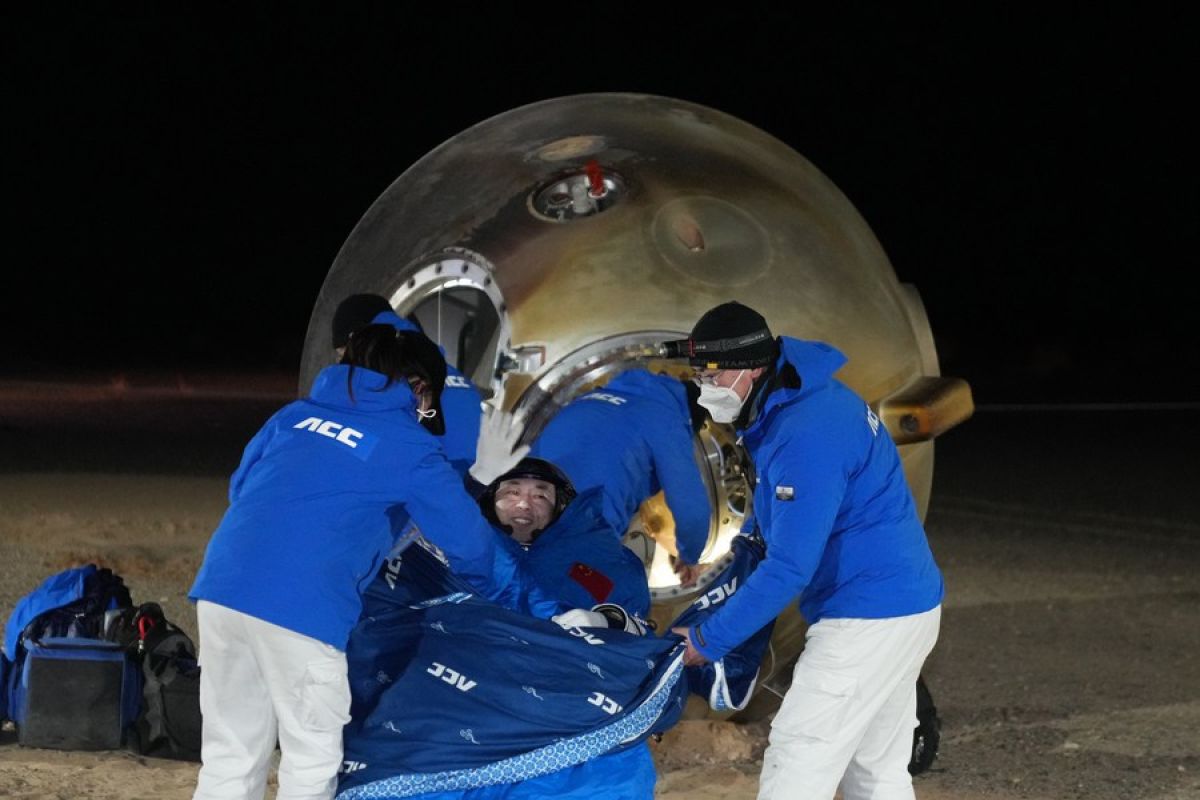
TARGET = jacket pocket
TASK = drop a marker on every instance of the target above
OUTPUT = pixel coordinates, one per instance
(815, 706)
(324, 696)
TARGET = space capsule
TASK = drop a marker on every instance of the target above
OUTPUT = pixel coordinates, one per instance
(554, 245)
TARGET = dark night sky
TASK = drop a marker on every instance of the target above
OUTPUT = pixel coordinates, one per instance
(179, 181)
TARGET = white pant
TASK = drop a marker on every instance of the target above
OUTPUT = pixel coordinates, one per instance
(259, 681)
(849, 716)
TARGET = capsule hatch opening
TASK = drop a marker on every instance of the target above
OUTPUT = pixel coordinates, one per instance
(454, 298)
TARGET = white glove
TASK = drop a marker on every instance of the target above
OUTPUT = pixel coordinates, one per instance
(495, 451)
(580, 618)
(620, 619)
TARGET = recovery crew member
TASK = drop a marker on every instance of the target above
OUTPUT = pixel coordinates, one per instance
(311, 515)
(842, 533)
(461, 401)
(633, 438)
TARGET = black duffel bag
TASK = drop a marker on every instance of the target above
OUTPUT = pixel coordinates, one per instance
(168, 725)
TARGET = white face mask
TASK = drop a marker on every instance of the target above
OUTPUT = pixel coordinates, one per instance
(722, 402)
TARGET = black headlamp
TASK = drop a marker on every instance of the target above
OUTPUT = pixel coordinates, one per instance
(756, 349)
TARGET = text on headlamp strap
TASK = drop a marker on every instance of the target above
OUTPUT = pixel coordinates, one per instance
(733, 343)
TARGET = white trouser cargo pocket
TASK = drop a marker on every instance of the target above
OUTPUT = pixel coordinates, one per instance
(815, 706)
(324, 696)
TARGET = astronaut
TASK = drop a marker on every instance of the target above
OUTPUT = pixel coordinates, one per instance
(562, 540)
(553, 542)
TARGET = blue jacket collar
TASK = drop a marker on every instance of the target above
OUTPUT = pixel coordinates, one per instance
(814, 362)
(401, 324)
(395, 320)
(661, 389)
(333, 385)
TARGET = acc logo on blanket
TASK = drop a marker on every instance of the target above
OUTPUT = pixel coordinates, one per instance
(606, 704)
(452, 677)
(717, 595)
(352, 766)
(582, 634)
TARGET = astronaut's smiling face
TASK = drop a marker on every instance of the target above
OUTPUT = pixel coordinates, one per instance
(526, 505)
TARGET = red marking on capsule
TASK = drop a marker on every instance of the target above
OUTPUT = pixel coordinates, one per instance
(595, 178)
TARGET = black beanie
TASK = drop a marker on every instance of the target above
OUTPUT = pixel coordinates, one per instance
(732, 336)
(355, 312)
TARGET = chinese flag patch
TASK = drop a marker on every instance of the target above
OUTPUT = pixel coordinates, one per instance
(597, 584)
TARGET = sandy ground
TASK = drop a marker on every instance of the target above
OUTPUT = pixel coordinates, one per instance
(1069, 662)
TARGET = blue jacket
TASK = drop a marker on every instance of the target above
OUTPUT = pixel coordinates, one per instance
(633, 438)
(461, 403)
(831, 501)
(315, 501)
(57, 590)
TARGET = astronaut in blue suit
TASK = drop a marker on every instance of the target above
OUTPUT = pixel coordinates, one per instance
(561, 541)
(461, 401)
(555, 543)
(632, 438)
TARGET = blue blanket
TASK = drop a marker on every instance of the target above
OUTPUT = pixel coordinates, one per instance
(727, 684)
(453, 692)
